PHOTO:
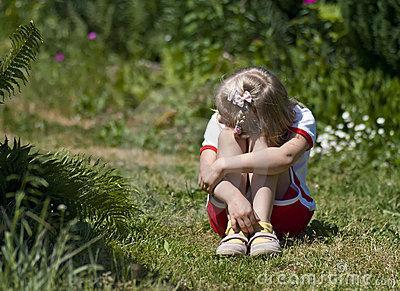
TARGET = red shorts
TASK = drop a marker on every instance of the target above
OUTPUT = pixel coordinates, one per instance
(290, 215)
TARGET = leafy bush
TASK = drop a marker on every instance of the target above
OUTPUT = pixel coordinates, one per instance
(195, 51)
(374, 29)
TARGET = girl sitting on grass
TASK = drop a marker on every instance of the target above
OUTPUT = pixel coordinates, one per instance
(253, 164)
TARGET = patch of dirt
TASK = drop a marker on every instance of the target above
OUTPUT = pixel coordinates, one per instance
(140, 157)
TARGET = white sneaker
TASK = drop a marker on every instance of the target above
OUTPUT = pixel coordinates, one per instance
(265, 241)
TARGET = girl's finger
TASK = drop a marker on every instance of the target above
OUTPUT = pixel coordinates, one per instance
(253, 218)
(234, 225)
(242, 225)
(248, 224)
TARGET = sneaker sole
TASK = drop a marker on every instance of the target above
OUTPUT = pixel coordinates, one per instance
(231, 250)
(264, 249)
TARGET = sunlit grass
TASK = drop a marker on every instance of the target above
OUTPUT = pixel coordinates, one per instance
(354, 234)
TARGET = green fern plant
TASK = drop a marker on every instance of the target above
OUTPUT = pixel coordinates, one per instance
(15, 66)
(75, 185)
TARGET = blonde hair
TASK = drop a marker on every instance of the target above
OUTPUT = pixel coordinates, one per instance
(270, 112)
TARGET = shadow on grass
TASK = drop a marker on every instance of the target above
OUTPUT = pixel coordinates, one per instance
(116, 266)
(317, 230)
(120, 271)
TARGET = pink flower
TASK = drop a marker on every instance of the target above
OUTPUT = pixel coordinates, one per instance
(92, 35)
(307, 2)
(59, 57)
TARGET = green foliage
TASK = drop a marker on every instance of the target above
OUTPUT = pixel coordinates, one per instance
(234, 28)
(88, 191)
(25, 46)
(31, 259)
(374, 30)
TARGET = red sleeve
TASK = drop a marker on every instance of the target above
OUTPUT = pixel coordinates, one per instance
(303, 133)
(208, 147)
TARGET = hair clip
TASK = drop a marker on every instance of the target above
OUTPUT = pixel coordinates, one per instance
(237, 130)
(238, 99)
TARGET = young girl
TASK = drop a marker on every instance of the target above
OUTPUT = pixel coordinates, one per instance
(253, 164)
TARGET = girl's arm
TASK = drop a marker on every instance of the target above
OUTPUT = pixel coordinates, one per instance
(207, 158)
(269, 161)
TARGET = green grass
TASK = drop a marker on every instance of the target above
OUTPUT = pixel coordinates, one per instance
(352, 241)
(355, 232)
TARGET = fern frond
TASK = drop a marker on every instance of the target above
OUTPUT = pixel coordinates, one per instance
(15, 66)
(91, 191)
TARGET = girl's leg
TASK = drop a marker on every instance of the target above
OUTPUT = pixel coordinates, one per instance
(265, 189)
(229, 145)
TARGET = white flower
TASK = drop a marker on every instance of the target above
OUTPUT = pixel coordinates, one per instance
(372, 135)
(323, 137)
(391, 132)
(340, 134)
(380, 120)
(352, 144)
(61, 207)
(340, 126)
(328, 129)
(381, 131)
(226, 55)
(325, 144)
(365, 118)
(333, 143)
(167, 37)
(346, 115)
(350, 125)
(339, 148)
(359, 127)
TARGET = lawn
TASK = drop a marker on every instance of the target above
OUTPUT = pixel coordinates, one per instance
(351, 243)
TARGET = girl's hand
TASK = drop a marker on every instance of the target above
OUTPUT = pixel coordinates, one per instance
(241, 214)
(214, 175)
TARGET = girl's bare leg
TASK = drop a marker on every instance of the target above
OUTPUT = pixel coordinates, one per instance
(265, 189)
(229, 145)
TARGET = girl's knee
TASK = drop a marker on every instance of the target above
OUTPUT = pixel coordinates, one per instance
(226, 134)
(259, 143)
(227, 138)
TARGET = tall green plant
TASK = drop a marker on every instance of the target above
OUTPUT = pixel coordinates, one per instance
(16, 64)
(374, 28)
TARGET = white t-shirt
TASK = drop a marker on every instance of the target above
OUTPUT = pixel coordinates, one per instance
(304, 124)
